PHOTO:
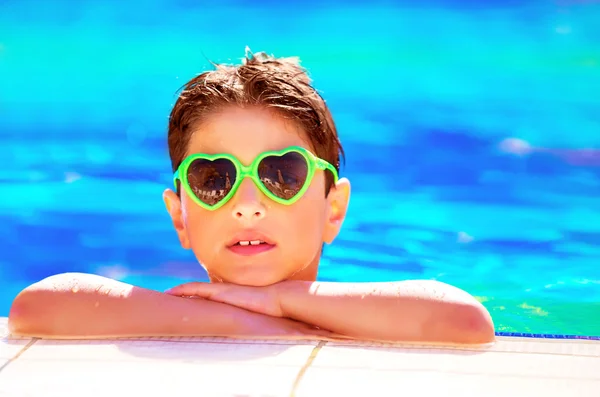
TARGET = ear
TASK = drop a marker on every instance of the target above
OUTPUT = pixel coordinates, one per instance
(173, 204)
(337, 206)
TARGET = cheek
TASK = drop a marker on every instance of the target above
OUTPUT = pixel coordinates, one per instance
(200, 225)
(310, 213)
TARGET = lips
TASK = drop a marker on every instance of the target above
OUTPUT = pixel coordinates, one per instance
(250, 238)
(250, 243)
(250, 250)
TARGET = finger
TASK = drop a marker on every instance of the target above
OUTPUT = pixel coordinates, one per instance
(191, 289)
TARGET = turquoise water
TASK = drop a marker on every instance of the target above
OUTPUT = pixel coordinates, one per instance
(472, 138)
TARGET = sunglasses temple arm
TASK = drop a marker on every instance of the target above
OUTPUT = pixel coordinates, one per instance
(175, 178)
(334, 172)
(324, 165)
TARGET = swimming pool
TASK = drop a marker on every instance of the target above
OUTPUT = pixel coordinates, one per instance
(473, 152)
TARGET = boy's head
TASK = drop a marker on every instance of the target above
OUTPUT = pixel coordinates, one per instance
(266, 104)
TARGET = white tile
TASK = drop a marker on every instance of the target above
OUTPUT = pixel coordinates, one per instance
(512, 367)
(93, 368)
(227, 367)
(9, 347)
(200, 352)
(151, 365)
(579, 347)
(3, 327)
(488, 363)
(346, 382)
(95, 378)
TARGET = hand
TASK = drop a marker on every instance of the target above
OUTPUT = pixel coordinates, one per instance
(264, 300)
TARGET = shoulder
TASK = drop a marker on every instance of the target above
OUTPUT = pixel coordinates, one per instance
(71, 282)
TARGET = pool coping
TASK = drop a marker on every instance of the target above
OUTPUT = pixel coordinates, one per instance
(530, 364)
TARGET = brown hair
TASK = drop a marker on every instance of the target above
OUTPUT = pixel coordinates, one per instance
(276, 83)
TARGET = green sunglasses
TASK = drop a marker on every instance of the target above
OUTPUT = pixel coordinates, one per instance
(211, 180)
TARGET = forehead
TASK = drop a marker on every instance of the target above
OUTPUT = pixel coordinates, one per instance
(245, 133)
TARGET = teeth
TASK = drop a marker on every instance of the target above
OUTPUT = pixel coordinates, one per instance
(253, 242)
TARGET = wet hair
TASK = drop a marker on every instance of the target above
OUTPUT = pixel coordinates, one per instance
(279, 84)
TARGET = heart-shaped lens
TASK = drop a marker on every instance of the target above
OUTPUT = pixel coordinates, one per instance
(211, 180)
(283, 175)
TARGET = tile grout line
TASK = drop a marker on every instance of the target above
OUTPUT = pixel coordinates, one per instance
(307, 364)
(16, 356)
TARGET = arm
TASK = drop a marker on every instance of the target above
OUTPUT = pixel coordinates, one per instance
(77, 305)
(411, 311)
(407, 311)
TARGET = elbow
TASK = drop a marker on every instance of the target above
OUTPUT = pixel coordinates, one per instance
(32, 312)
(23, 318)
(458, 319)
(473, 324)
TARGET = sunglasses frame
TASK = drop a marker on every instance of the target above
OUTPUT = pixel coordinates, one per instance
(313, 163)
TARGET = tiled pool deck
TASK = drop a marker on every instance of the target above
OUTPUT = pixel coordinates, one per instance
(512, 367)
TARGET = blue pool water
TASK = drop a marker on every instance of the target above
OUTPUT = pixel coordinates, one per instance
(472, 137)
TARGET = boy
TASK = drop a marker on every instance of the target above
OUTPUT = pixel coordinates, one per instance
(259, 238)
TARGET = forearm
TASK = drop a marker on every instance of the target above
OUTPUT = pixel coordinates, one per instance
(411, 311)
(88, 306)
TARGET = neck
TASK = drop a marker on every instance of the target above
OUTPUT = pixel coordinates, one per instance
(309, 272)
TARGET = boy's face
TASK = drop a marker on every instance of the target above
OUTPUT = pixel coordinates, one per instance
(296, 232)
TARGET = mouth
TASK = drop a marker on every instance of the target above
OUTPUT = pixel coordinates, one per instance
(248, 245)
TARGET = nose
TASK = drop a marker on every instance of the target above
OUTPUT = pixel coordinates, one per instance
(248, 202)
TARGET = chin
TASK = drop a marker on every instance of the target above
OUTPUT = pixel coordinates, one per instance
(253, 278)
